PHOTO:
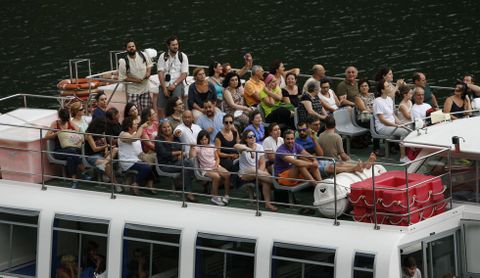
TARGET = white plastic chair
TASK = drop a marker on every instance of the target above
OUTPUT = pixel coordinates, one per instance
(345, 127)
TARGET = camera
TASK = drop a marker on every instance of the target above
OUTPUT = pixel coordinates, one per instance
(168, 77)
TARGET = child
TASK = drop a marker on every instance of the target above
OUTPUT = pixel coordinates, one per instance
(209, 162)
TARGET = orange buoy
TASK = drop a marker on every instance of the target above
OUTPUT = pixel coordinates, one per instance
(78, 84)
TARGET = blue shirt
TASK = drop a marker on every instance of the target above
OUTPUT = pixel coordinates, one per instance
(280, 164)
(217, 123)
(98, 113)
(308, 144)
(259, 133)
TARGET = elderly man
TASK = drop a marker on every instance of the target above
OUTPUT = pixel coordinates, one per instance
(172, 70)
(419, 108)
(317, 74)
(347, 90)
(254, 86)
(420, 80)
(187, 131)
(136, 68)
(289, 165)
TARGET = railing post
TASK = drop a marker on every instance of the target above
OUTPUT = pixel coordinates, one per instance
(335, 221)
(257, 213)
(408, 197)
(184, 203)
(42, 165)
(374, 201)
(450, 177)
(110, 148)
(24, 101)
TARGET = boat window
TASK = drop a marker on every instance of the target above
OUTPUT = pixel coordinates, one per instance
(79, 243)
(150, 251)
(290, 260)
(363, 265)
(18, 242)
(224, 256)
(471, 245)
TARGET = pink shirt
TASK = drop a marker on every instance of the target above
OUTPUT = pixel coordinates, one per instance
(206, 158)
(151, 132)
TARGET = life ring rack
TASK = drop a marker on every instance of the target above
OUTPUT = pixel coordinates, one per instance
(78, 84)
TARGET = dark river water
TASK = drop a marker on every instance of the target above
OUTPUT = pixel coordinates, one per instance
(440, 38)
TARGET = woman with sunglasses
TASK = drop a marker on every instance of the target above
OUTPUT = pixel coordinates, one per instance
(225, 140)
(78, 116)
(252, 163)
(459, 102)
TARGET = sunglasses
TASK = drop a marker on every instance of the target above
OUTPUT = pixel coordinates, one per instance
(251, 136)
(228, 122)
(302, 129)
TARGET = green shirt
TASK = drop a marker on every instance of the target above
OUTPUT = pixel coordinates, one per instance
(345, 88)
(267, 108)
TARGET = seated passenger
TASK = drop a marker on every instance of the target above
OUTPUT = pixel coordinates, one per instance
(209, 163)
(367, 99)
(419, 108)
(459, 102)
(99, 152)
(278, 70)
(212, 120)
(131, 110)
(310, 103)
(92, 262)
(288, 165)
(386, 122)
(254, 86)
(67, 144)
(187, 132)
(215, 78)
(252, 164)
(386, 74)
(347, 90)
(78, 116)
(68, 267)
(138, 267)
(409, 268)
(332, 146)
(169, 156)
(101, 100)
(174, 111)
(405, 106)
(271, 102)
(329, 99)
(150, 131)
(318, 73)
(233, 98)
(114, 127)
(256, 126)
(241, 72)
(129, 150)
(200, 92)
(291, 92)
(225, 140)
(271, 144)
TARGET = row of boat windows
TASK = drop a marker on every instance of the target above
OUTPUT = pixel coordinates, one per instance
(81, 244)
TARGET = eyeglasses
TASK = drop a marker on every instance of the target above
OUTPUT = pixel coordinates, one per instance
(325, 87)
(302, 129)
(228, 122)
(179, 104)
(251, 136)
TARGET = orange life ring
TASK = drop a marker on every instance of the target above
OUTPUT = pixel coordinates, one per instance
(78, 84)
(80, 93)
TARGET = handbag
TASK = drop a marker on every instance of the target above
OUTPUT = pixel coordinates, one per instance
(69, 139)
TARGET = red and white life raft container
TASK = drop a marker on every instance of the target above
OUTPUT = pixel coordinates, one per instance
(425, 197)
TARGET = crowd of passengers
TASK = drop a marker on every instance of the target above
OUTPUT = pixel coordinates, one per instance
(224, 126)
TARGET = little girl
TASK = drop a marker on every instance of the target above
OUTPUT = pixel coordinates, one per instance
(209, 162)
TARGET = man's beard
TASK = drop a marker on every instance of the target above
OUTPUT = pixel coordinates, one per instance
(131, 53)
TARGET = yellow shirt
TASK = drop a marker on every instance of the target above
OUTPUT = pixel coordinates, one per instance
(252, 86)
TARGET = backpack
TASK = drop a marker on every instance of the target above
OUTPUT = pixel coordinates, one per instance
(127, 63)
(180, 56)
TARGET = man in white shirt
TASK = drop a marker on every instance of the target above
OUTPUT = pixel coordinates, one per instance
(136, 68)
(172, 69)
(317, 74)
(419, 108)
(187, 131)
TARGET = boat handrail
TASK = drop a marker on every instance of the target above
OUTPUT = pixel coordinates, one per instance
(44, 129)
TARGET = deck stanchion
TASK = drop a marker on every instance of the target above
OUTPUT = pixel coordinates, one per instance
(408, 198)
(375, 220)
(476, 182)
(110, 148)
(450, 184)
(335, 221)
(257, 213)
(24, 101)
(184, 203)
(42, 165)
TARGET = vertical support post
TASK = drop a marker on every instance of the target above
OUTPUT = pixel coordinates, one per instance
(110, 148)
(375, 220)
(257, 213)
(450, 177)
(24, 101)
(335, 221)
(408, 197)
(184, 203)
(477, 185)
(42, 165)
